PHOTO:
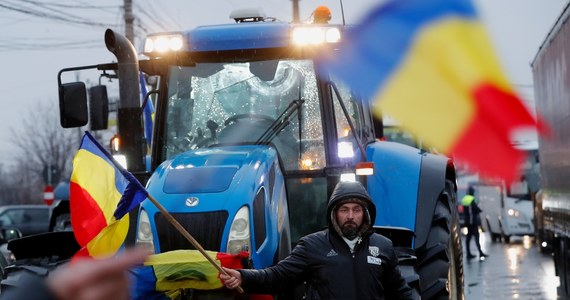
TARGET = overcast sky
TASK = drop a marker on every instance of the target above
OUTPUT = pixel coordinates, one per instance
(40, 37)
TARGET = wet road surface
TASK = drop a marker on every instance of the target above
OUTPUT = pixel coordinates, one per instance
(512, 271)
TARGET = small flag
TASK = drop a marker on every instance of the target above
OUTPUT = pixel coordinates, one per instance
(101, 194)
(164, 275)
(148, 111)
(430, 65)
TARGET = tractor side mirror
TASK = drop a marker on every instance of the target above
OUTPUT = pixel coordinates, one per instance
(98, 107)
(73, 104)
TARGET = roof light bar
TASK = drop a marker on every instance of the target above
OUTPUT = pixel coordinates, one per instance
(163, 43)
(315, 35)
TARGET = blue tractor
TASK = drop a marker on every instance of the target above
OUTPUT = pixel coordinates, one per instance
(250, 138)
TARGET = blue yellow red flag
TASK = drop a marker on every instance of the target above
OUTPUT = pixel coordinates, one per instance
(430, 65)
(101, 194)
(164, 275)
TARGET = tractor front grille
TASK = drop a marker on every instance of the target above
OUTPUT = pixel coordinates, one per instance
(206, 228)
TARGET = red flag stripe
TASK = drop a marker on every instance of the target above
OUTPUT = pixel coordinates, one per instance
(86, 214)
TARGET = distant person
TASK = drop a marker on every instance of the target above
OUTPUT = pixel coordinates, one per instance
(472, 222)
(321, 15)
(345, 261)
(84, 279)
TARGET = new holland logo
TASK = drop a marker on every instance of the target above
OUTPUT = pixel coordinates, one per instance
(375, 251)
(192, 201)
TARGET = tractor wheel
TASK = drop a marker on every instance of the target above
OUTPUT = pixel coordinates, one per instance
(441, 259)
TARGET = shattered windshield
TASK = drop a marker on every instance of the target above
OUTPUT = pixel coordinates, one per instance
(213, 104)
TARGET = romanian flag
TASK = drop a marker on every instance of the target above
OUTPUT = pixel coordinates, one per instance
(430, 65)
(164, 275)
(101, 194)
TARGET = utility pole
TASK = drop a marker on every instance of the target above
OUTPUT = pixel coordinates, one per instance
(129, 21)
(296, 18)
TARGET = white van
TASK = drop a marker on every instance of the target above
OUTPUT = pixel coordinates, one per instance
(507, 211)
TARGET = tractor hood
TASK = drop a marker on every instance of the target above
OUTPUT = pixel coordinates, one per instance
(205, 170)
(215, 175)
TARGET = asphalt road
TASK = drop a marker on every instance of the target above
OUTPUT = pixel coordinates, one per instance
(512, 271)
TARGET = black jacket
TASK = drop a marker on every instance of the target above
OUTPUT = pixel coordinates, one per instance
(30, 287)
(324, 260)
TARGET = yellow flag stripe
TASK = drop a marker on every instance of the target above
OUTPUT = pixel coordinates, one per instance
(448, 60)
(100, 185)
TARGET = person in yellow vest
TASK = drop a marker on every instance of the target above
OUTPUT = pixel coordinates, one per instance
(472, 221)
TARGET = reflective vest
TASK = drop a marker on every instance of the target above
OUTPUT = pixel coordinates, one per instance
(467, 200)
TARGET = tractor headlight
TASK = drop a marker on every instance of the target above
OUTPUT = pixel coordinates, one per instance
(163, 44)
(144, 232)
(314, 35)
(348, 177)
(239, 238)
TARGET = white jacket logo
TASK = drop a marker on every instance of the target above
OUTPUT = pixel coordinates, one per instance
(374, 251)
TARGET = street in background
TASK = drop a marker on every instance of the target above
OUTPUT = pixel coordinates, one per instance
(512, 271)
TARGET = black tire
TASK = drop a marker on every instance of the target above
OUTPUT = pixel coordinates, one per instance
(440, 261)
(406, 266)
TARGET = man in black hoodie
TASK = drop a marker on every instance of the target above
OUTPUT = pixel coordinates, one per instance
(345, 261)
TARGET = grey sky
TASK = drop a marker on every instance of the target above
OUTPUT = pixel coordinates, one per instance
(33, 49)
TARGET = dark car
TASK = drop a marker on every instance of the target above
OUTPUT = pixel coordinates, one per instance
(28, 219)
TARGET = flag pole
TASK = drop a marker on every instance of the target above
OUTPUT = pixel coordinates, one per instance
(188, 236)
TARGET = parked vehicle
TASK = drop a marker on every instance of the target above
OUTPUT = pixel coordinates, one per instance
(28, 219)
(551, 79)
(505, 214)
(506, 210)
(39, 253)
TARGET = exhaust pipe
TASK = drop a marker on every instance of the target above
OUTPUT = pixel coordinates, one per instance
(129, 120)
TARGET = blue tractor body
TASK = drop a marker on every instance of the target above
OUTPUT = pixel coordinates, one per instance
(394, 187)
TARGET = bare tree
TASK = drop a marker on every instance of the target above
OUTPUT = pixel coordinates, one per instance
(41, 142)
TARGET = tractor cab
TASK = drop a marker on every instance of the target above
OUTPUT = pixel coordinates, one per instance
(224, 92)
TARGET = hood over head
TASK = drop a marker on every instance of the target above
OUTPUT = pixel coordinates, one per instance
(352, 192)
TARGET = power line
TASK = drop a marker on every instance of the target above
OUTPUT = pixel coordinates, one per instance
(10, 46)
(150, 17)
(74, 20)
(83, 6)
(167, 19)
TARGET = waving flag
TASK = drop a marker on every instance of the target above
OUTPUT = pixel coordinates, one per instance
(101, 194)
(430, 65)
(164, 275)
(148, 111)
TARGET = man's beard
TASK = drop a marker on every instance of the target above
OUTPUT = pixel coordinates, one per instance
(350, 230)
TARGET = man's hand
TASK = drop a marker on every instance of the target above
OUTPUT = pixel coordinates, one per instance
(232, 280)
(90, 279)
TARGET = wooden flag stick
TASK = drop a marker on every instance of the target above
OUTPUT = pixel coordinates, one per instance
(189, 237)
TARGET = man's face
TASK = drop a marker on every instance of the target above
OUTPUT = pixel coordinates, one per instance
(349, 218)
